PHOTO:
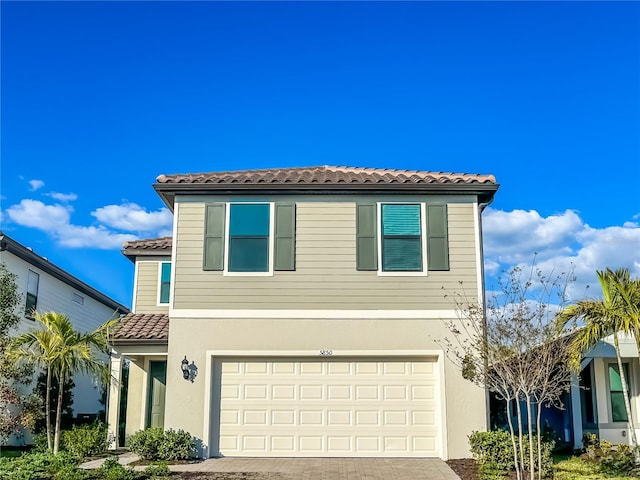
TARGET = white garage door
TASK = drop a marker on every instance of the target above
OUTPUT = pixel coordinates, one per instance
(330, 408)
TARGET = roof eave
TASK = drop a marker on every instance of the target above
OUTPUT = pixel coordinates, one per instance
(168, 191)
(140, 341)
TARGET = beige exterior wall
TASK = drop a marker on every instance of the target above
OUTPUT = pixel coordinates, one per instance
(464, 402)
(147, 284)
(325, 275)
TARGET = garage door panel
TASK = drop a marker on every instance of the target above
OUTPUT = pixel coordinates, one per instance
(329, 408)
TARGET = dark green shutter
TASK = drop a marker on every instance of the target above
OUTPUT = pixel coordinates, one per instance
(437, 237)
(366, 238)
(285, 237)
(214, 237)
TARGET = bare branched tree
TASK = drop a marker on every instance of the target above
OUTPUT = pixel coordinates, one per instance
(511, 348)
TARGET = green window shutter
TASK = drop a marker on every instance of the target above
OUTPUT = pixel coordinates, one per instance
(366, 238)
(437, 237)
(214, 237)
(285, 237)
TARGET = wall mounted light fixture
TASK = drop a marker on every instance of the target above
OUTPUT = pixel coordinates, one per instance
(184, 365)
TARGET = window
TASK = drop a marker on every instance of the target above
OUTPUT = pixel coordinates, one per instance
(249, 226)
(618, 409)
(401, 238)
(165, 282)
(249, 238)
(33, 281)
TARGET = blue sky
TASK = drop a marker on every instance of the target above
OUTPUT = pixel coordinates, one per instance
(99, 98)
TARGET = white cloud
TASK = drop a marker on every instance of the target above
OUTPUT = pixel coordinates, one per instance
(56, 221)
(63, 197)
(133, 218)
(35, 214)
(562, 243)
(36, 184)
(76, 236)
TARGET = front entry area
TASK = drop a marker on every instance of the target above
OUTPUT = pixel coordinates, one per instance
(377, 407)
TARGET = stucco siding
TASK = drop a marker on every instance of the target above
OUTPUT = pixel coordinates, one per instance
(464, 402)
(325, 275)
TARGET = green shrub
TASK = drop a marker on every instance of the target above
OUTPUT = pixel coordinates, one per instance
(159, 470)
(82, 441)
(111, 469)
(146, 443)
(40, 443)
(494, 453)
(155, 444)
(176, 445)
(41, 466)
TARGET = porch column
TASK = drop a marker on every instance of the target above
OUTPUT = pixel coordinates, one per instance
(113, 402)
(576, 412)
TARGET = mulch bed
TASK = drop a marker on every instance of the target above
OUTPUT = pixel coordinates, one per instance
(465, 468)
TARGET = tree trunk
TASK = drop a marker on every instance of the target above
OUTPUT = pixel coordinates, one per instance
(532, 468)
(516, 464)
(56, 440)
(627, 404)
(539, 437)
(519, 410)
(48, 408)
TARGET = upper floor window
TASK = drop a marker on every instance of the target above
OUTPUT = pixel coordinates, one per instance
(165, 282)
(249, 235)
(401, 228)
(249, 238)
(33, 282)
(402, 238)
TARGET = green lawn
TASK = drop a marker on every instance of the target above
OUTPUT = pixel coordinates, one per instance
(575, 468)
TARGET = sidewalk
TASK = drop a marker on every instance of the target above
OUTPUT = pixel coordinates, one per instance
(124, 459)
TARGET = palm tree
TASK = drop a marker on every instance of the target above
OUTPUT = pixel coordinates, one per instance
(616, 312)
(63, 351)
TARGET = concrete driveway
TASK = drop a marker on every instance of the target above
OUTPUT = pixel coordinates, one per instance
(328, 468)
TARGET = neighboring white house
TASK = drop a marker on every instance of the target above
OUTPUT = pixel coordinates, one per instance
(597, 405)
(46, 287)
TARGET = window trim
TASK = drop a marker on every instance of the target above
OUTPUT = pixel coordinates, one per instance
(159, 302)
(272, 228)
(423, 241)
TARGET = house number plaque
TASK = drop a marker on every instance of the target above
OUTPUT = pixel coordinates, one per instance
(326, 353)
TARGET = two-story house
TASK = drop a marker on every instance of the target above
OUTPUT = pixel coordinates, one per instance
(297, 312)
(45, 287)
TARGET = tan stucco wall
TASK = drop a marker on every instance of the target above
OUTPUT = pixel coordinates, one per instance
(465, 403)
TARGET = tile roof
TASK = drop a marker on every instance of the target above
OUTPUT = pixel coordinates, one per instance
(327, 175)
(145, 327)
(150, 246)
